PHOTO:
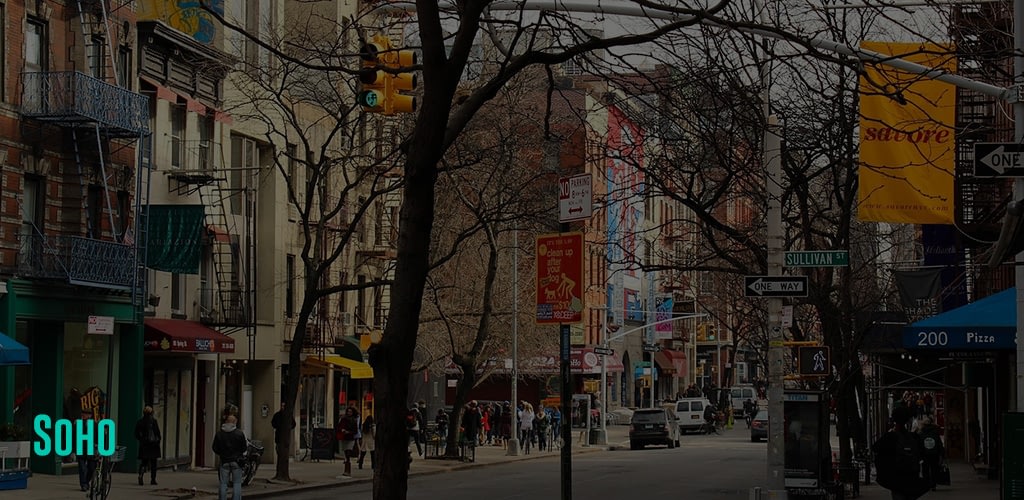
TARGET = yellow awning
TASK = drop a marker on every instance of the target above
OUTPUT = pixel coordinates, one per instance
(359, 369)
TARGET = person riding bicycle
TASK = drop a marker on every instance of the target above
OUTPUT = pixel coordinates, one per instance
(710, 416)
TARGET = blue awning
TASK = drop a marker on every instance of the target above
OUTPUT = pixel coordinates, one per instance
(986, 324)
(12, 352)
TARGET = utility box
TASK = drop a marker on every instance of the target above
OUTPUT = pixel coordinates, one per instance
(1013, 459)
(808, 457)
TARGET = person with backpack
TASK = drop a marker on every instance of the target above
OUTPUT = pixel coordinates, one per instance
(147, 432)
(899, 457)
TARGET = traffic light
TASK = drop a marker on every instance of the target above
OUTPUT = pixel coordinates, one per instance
(702, 332)
(375, 82)
(381, 89)
(402, 81)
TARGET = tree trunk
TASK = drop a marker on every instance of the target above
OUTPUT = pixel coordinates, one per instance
(392, 357)
(458, 409)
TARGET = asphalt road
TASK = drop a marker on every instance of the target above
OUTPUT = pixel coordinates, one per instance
(704, 467)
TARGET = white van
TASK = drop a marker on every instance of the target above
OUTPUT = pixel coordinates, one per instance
(737, 395)
(690, 413)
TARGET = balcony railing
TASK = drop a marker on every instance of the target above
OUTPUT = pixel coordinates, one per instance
(74, 97)
(78, 260)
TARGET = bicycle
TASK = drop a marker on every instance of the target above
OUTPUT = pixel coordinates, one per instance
(99, 486)
(308, 436)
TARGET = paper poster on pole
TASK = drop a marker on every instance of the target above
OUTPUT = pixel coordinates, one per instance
(559, 278)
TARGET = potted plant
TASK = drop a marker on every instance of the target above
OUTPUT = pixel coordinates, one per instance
(15, 450)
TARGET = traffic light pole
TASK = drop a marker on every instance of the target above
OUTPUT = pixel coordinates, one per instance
(776, 349)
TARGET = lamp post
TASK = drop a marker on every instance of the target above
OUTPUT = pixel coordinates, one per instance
(513, 443)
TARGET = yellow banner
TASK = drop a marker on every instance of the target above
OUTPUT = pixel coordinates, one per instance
(907, 142)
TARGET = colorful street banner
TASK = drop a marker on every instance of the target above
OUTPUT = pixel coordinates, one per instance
(907, 141)
(559, 278)
(662, 312)
(186, 16)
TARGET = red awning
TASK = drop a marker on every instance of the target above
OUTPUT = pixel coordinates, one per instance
(672, 361)
(178, 335)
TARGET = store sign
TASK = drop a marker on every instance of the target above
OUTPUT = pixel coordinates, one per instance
(101, 325)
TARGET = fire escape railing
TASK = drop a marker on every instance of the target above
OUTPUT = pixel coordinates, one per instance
(72, 96)
(78, 260)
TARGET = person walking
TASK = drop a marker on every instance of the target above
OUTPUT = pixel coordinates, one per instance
(898, 457)
(366, 442)
(471, 423)
(541, 422)
(934, 453)
(230, 445)
(347, 432)
(147, 433)
(412, 427)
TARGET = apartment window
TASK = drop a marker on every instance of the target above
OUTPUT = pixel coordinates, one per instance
(289, 286)
(378, 307)
(342, 297)
(177, 136)
(95, 229)
(32, 217)
(123, 212)
(361, 302)
(36, 48)
(96, 54)
(124, 66)
(244, 160)
(293, 180)
(361, 224)
(206, 145)
(378, 223)
(176, 291)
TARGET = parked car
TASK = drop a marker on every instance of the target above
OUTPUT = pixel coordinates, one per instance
(759, 426)
(690, 413)
(653, 426)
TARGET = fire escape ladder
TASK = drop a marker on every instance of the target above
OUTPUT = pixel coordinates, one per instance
(225, 254)
(141, 229)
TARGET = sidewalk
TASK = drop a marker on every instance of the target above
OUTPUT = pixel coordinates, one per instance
(310, 475)
(965, 485)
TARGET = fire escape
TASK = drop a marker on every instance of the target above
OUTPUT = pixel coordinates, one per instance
(983, 34)
(101, 121)
(225, 303)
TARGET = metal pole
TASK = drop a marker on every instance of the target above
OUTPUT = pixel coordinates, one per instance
(776, 373)
(566, 396)
(513, 443)
(1018, 190)
(602, 438)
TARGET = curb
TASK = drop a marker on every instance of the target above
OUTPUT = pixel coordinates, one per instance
(440, 470)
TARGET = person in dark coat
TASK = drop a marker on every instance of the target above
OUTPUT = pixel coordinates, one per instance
(147, 432)
(230, 445)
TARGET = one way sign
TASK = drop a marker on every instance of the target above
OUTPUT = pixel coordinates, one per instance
(775, 286)
(998, 159)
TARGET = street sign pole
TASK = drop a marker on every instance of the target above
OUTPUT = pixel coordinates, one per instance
(776, 434)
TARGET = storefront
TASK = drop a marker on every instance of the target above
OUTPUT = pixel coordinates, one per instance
(78, 339)
(329, 385)
(672, 373)
(181, 363)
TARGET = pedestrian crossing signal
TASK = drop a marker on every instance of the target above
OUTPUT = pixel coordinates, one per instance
(814, 361)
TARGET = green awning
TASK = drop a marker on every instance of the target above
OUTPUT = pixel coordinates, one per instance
(175, 240)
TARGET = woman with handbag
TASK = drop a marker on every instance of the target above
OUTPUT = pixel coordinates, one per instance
(346, 432)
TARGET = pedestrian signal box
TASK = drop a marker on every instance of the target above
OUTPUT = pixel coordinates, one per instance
(814, 361)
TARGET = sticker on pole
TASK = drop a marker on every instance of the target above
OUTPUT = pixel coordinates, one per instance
(560, 278)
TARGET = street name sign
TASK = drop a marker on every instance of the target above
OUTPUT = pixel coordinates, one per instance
(817, 258)
(998, 159)
(575, 198)
(775, 286)
(652, 348)
(603, 351)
